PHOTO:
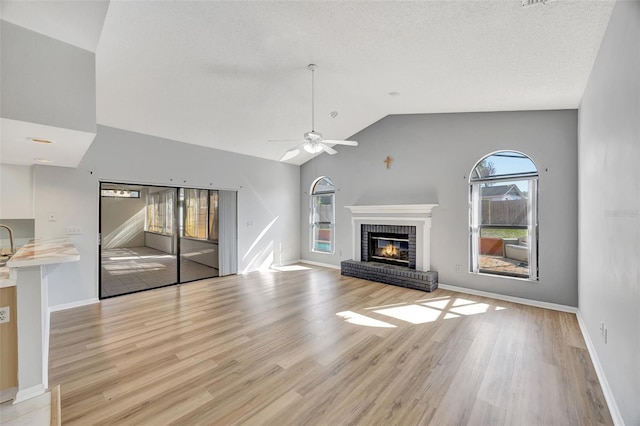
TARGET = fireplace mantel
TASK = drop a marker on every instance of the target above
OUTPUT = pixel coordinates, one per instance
(416, 209)
(418, 215)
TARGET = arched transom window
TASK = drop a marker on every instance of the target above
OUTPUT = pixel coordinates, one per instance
(503, 222)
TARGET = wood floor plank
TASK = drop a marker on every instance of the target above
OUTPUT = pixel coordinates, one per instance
(313, 347)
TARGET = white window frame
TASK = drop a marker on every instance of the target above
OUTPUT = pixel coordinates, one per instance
(312, 214)
(475, 212)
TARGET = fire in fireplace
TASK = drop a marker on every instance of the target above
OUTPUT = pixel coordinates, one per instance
(389, 248)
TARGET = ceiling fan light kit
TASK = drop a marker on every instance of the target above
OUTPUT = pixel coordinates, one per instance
(313, 142)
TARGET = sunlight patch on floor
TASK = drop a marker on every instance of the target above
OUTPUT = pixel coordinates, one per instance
(415, 314)
(422, 311)
(358, 319)
(438, 304)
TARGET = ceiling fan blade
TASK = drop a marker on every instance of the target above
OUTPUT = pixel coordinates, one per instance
(291, 153)
(287, 140)
(350, 143)
(328, 149)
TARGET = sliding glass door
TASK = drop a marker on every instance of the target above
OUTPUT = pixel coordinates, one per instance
(152, 236)
(138, 248)
(199, 254)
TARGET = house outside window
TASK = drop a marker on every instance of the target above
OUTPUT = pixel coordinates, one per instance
(322, 216)
(503, 222)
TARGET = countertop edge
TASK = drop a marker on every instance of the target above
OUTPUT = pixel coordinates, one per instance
(41, 252)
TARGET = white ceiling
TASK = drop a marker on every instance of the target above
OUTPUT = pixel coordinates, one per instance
(231, 75)
(77, 22)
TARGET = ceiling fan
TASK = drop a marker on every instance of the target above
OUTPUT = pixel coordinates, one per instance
(312, 142)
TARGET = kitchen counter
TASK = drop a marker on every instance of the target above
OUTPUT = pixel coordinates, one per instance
(30, 267)
(40, 252)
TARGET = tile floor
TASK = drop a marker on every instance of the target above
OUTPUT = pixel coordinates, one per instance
(129, 269)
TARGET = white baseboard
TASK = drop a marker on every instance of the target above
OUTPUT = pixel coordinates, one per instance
(520, 300)
(8, 394)
(324, 265)
(604, 384)
(65, 306)
(28, 393)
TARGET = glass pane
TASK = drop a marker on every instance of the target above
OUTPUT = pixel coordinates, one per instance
(322, 238)
(324, 184)
(202, 213)
(137, 251)
(503, 245)
(169, 207)
(199, 256)
(504, 163)
(323, 208)
(190, 213)
(159, 213)
(213, 215)
(120, 193)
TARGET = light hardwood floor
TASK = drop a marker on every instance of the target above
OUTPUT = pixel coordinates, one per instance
(313, 347)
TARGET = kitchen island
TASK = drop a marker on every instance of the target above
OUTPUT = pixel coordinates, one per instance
(29, 268)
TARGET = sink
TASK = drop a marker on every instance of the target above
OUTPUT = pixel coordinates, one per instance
(4, 260)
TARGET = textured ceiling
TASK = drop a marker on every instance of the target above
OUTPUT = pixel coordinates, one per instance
(232, 75)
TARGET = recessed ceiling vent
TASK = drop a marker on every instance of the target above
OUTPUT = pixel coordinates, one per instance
(533, 2)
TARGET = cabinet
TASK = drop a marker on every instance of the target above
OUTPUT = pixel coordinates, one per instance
(9, 345)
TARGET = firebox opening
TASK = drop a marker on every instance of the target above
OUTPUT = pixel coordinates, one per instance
(389, 248)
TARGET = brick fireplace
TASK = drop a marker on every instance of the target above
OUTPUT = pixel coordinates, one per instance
(393, 235)
(401, 235)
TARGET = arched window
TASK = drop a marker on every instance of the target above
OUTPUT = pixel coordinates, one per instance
(322, 215)
(503, 219)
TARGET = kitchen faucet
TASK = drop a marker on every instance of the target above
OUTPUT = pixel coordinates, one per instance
(13, 247)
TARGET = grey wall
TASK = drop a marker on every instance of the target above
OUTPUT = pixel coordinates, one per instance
(123, 222)
(46, 81)
(432, 157)
(609, 146)
(268, 200)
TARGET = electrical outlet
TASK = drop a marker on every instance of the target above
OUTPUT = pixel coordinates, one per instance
(52, 217)
(5, 314)
(74, 230)
(458, 268)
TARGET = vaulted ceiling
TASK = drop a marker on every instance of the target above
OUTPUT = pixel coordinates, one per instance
(232, 75)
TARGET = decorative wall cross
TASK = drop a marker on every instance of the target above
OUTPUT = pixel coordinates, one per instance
(388, 160)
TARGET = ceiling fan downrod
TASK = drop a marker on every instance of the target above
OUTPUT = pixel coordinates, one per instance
(312, 68)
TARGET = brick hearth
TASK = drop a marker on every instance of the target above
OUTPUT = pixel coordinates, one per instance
(390, 274)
